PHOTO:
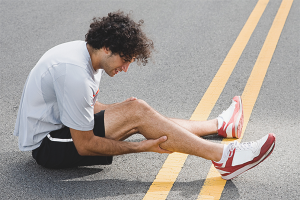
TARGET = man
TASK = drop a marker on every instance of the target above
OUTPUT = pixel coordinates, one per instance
(63, 124)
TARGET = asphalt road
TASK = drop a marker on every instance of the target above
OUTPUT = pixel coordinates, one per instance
(191, 38)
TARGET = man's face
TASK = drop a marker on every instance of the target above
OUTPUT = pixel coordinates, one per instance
(114, 63)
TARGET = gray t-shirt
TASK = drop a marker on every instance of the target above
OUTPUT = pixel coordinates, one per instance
(61, 90)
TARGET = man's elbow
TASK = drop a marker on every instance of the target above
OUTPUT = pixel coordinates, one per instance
(83, 142)
(82, 151)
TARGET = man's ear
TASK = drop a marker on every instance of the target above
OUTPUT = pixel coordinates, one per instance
(106, 50)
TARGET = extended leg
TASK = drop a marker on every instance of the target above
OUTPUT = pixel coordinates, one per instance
(137, 116)
(199, 128)
(229, 124)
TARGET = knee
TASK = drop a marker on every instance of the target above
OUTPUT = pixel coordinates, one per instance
(140, 107)
(140, 104)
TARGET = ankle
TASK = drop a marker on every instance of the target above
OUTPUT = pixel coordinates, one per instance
(219, 122)
(219, 154)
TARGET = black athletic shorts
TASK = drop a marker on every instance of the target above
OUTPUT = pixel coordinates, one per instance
(58, 150)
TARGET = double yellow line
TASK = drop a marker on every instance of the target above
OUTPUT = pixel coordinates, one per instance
(214, 184)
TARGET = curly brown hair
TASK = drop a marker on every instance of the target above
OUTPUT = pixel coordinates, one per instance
(121, 35)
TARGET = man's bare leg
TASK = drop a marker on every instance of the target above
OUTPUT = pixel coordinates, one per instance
(199, 128)
(135, 116)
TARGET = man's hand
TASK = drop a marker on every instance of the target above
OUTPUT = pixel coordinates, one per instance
(131, 99)
(153, 145)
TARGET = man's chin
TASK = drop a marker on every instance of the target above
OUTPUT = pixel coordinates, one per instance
(111, 74)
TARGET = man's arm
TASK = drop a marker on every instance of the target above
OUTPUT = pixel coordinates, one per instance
(87, 144)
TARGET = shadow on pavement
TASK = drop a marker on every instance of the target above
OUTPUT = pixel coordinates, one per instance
(230, 191)
(22, 178)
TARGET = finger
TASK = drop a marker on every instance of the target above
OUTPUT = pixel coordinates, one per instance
(131, 99)
(165, 151)
(162, 139)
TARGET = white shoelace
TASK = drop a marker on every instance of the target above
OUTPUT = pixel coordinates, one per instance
(243, 146)
(238, 146)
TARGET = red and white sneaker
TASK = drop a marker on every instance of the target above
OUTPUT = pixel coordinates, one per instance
(244, 156)
(233, 119)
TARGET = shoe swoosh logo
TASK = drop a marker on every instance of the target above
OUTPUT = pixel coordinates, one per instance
(222, 172)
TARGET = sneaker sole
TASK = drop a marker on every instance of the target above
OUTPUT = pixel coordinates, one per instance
(237, 124)
(240, 122)
(250, 166)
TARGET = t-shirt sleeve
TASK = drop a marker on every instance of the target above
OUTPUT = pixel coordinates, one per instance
(76, 102)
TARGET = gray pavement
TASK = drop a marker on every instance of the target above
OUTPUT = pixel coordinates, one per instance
(192, 38)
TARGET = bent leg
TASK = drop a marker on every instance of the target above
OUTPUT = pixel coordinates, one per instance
(127, 118)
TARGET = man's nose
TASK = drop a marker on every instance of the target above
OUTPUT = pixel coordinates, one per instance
(125, 67)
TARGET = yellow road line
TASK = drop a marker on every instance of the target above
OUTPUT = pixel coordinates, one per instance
(214, 184)
(166, 177)
(218, 83)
